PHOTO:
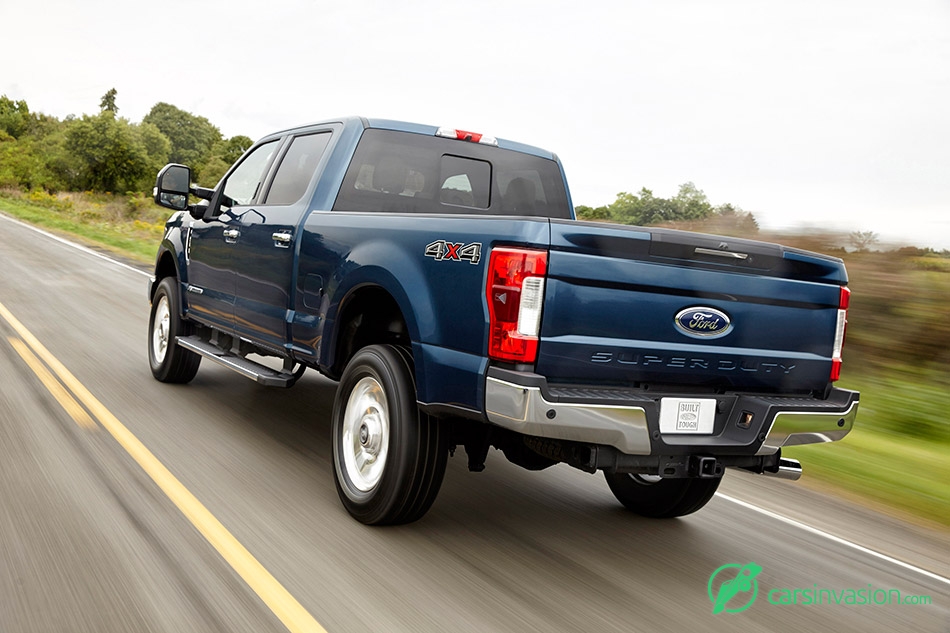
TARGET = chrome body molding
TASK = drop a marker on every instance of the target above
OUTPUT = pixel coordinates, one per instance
(792, 428)
(524, 409)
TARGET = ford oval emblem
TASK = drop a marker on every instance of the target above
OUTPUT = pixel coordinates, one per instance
(703, 322)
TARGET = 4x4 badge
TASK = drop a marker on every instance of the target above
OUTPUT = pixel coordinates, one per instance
(442, 251)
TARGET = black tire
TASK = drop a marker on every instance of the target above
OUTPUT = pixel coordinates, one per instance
(663, 499)
(175, 364)
(412, 452)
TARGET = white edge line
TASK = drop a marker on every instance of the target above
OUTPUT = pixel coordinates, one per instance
(836, 539)
(61, 240)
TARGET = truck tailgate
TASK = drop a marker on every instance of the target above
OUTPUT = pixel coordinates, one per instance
(614, 295)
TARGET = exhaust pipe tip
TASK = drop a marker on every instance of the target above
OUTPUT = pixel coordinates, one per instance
(790, 469)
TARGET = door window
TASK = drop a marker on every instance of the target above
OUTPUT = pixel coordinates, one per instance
(244, 183)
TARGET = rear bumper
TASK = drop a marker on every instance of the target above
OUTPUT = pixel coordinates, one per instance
(628, 420)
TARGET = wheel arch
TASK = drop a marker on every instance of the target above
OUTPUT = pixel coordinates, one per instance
(368, 314)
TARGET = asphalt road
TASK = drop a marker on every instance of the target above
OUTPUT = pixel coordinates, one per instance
(91, 541)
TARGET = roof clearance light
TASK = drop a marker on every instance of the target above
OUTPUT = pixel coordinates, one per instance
(463, 135)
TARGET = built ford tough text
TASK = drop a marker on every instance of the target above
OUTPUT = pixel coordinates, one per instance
(440, 276)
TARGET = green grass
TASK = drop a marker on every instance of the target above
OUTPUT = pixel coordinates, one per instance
(908, 474)
(899, 451)
(90, 220)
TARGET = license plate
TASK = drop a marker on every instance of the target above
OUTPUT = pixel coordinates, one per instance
(690, 416)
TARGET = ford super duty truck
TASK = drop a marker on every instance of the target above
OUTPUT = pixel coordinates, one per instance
(440, 276)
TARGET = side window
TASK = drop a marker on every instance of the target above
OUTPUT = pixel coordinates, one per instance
(297, 167)
(244, 183)
(465, 182)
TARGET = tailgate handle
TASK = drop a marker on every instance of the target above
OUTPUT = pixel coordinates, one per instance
(730, 254)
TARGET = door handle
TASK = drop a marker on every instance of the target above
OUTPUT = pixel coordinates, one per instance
(282, 240)
(231, 234)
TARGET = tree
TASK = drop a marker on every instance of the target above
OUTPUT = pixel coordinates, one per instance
(107, 103)
(157, 148)
(192, 137)
(862, 241)
(655, 210)
(625, 209)
(588, 213)
(232, 149)
(690, 203)
(223, 155)
(14, 117)
(109, 150)
(30, 144)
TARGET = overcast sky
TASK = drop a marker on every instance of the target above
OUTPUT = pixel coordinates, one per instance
(809, 113)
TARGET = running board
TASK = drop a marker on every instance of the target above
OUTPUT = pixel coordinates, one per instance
(247, 368)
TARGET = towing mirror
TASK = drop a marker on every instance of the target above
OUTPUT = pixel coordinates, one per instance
(172, 187)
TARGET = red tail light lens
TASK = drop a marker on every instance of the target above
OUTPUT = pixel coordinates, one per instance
(844, 300)
(515, 292)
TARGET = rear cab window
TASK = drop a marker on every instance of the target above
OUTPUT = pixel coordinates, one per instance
(403, 172)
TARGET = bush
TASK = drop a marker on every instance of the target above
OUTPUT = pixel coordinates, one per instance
(49, 201)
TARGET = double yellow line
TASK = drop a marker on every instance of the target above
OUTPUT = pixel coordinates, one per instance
(69, 392)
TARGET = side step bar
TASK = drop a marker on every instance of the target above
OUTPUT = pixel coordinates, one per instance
(247, 368)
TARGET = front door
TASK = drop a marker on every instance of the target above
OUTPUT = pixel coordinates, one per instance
(210, 242)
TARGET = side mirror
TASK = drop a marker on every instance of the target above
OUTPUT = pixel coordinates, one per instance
(172, 187)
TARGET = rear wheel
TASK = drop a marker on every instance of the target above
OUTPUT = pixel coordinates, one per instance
(388, 458)
(169, 362)
(652, 496)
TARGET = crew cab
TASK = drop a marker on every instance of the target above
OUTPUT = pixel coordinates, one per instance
(441, 277)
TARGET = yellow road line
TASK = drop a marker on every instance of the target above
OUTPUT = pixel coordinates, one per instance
(275, 596)
(62, 396)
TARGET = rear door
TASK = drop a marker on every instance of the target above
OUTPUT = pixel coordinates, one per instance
(263, 260)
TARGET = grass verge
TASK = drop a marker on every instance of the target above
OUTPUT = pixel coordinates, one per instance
(898, 454)
(109, 222)
(904, 473)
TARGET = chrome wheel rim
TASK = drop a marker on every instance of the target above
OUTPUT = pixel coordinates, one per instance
(160, 326)
(365, 441)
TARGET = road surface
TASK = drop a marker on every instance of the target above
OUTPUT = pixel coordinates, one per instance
(129, 505)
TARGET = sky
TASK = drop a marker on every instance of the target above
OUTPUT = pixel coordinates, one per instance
(811, 114)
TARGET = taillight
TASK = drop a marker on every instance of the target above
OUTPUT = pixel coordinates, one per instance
(515, 292)
(844, 299)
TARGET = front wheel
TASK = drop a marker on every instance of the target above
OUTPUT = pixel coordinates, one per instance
(169, 362)
(652, 496)
(388, 458)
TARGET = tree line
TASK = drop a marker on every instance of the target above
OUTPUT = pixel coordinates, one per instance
(690, 205)
(108, 153)
(105, 152)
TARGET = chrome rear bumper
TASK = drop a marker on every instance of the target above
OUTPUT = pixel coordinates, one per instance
(628, 420)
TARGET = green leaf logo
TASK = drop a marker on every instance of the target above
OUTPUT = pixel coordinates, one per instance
(733, 584)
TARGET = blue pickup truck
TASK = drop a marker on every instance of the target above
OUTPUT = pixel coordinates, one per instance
(441, 277)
